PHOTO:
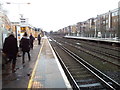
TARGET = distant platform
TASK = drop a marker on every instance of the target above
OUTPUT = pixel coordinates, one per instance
(95, 39)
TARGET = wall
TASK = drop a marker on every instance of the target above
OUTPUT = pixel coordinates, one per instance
(0, 38)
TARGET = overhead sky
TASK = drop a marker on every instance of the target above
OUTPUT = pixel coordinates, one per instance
(57, 14)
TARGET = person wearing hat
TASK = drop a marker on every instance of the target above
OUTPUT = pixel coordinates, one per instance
(10, 49)
(25, 46)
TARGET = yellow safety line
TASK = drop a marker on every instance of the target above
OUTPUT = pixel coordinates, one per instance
(33, 72)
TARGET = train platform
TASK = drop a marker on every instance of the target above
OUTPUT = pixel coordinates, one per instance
(19, 79)
(111, 40)
(47, 72)
(43, 71)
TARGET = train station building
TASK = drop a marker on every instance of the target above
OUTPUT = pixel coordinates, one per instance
(86, 58)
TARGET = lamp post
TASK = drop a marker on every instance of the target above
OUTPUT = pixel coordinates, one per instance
(17, 30)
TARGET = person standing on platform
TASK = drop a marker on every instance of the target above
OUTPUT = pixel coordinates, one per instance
(10, 50)
(31, 40)
(39, 39)
(25, 46)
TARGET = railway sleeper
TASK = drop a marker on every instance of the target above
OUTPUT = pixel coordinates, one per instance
(75, 66)
(93, 86)
(76, 69)
(83, 76)
(85, 80)
(79, 72)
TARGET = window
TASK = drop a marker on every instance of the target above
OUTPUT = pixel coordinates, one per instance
(114, 20)
(115, 13)
(106, 21)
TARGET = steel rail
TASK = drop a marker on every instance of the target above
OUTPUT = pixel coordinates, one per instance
(70, 77)
(101, 75)
(94, 55)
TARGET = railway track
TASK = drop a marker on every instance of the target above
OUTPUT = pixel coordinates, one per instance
(81, 74)
(108, 66)
(104, 51)
(111, 51)
(97, 44)
(113, 59)
(98, 54)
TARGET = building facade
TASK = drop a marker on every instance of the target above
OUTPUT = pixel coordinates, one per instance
(5, 28)
(106, 25)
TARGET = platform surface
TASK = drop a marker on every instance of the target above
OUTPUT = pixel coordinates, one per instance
(48, 72)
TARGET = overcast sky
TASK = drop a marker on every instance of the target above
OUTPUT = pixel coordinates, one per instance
(57, 14)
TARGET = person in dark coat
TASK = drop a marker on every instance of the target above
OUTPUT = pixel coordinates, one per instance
(31, 40)
(10, 49)
(25, 46)
(39, 39)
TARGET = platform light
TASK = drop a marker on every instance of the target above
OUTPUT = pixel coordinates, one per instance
(23, 29)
